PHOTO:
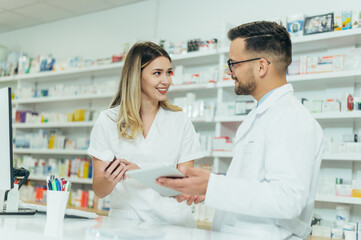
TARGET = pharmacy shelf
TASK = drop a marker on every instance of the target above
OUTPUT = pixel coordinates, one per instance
(193, 86)
(336, 199)
(113, 68)
(50, 151)
(222, 154)
(73, 180)
(63, 99)
(326, 157)
(238, 118)
(342, 157)
(326, 40)
(349, 76)
(7, 79)
(337, 115)
(52, 125)
(196, 58)
(320, 41)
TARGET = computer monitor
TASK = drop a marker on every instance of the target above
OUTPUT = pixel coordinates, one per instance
(6, 138)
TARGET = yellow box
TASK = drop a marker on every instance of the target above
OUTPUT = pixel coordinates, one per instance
(79, 115)
(356, 193)
(70, 117)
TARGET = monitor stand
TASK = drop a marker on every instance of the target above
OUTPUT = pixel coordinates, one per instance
(21, 211)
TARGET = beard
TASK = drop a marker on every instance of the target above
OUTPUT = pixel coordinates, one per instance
(245, 88)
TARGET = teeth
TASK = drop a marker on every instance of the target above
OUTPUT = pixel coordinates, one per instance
(162, 89)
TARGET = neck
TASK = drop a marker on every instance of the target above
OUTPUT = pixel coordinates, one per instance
(268, 86)
(148, 108)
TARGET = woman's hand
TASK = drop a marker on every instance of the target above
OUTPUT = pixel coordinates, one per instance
(129, 166)
(113, 170)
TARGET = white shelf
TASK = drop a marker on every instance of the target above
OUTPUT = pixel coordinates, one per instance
(336, 199)
(194, 86)
(222, 154)
(63, 99)
(73, 180)
(239, 118)
(196, 58)
(50, 151)
(7, 79)
(342, 157)
(337, 115)
(326, 157)
(326, 40)
(73, 73)
(53, 125)
(320, 41)
(305, 79)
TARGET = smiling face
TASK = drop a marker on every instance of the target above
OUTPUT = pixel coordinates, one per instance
(156, 80)
(242, 73)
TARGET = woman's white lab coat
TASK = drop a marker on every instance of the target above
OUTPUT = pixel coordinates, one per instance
(270, 186)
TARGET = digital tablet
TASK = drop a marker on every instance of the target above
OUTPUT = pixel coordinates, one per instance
(148, 176)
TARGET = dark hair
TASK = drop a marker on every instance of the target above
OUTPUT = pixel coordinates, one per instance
(269, 38)
(149, 51)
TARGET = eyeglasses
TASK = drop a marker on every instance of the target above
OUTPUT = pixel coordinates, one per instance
(230, 63)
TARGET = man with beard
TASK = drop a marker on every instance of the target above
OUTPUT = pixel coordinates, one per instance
(269, 189)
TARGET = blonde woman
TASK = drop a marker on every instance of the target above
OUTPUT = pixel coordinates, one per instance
(142, 129)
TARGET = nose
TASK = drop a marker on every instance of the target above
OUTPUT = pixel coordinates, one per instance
(166, 80)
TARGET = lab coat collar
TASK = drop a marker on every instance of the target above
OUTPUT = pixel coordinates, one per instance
(272, 99)
(275, 95)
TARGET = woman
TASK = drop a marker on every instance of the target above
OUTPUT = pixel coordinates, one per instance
(142, 129)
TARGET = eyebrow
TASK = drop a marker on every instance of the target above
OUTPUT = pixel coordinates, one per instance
(159, 69)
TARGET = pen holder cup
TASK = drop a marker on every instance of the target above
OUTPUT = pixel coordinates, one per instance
(55, 210)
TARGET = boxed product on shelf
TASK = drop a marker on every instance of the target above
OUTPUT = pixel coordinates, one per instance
(294, 67)
(346, 20)
(356, 18)
(314, 106)
(295, 24)
(318, 24)
(337, 21)
(325, 64)
(331, 105)
(222, 144)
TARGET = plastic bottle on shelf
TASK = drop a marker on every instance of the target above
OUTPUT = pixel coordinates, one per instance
(349, 102)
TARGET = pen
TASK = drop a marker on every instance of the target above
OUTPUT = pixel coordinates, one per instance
(48, 183)
(53, 185)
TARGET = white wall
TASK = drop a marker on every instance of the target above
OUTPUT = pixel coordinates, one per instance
(103, 34)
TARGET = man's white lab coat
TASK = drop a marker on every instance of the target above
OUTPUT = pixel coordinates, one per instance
(270, 185)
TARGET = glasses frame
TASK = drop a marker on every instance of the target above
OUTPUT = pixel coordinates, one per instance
(230, 63)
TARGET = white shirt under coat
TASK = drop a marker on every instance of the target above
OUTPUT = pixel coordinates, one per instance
(270, 185)
(171, 140)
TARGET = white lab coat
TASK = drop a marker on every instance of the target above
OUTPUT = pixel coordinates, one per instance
(171, 140)
(270, 185)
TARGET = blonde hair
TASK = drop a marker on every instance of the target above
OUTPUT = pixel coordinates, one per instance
(128, 95)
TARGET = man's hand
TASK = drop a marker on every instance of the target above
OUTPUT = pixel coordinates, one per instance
(195, 182)
(190, 199)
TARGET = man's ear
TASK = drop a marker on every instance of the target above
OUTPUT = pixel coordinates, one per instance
(263, 67)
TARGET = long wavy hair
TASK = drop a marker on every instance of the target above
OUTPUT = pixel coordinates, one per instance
(128, 95)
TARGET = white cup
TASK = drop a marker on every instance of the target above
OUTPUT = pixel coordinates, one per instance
(55, 209)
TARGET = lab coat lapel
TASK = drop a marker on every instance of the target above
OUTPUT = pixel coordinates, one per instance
(269, 102)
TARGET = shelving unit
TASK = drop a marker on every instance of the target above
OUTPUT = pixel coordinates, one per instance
(50, 152)
(222, 91)
(52, 125)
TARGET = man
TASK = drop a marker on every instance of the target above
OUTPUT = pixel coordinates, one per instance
(270, 186)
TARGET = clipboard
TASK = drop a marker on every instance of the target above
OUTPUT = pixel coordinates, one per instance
(148, 176)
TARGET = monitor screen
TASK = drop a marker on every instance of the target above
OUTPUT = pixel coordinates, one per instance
(6, 151)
